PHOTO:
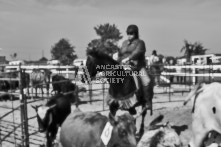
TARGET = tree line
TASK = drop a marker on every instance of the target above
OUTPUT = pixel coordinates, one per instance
(107, 42)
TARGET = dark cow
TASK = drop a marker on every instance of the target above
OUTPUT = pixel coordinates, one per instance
(6, 85)
(62, 85)
(6, 96)
(52, 115)
(85, 130)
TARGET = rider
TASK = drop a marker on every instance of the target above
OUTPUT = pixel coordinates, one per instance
(134, 50)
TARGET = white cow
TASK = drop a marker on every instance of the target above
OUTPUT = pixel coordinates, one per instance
(206, 115)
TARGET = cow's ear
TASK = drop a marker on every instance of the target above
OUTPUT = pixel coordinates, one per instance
(113, 119)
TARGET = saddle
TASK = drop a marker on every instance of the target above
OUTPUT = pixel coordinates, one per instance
(130, 100)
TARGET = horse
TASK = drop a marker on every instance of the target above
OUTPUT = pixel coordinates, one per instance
(38, 79)
(122, 84)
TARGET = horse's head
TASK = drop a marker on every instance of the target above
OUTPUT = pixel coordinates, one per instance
(91, 66)
(96, 61)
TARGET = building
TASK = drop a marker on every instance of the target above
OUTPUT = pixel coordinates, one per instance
(3, 60)
(206, 59)
(181, 60)
(201, 59)
(79, 62)
(54, 62)
(17, 62)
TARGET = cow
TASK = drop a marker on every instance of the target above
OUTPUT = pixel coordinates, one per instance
(6, 85)
(91, 129)
(206, 111)
(52, 114)
(61, 85)
(7, 96)
(164, 135)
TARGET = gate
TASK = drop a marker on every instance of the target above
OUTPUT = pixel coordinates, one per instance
(14, 126)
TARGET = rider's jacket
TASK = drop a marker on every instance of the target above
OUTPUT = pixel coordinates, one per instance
(135, 50)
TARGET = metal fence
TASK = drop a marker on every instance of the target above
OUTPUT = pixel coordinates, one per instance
(19, 131)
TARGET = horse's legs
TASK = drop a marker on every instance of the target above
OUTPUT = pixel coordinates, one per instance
(42, 92)
(32, 92)
(141, 131)
(48, 87)
(36, 91)
(49, 140)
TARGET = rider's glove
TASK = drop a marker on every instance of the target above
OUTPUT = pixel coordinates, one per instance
(125, 60)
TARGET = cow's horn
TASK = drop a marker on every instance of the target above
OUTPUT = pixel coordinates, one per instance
(114, 118)
(52, 106)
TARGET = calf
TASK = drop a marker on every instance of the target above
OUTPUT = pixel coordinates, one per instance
(86, 130)
(52, 114)
(206, 111)
(62, 85)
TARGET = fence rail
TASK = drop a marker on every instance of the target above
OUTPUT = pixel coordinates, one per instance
(191, 71)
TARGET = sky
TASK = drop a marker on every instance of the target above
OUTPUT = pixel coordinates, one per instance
(31, 27)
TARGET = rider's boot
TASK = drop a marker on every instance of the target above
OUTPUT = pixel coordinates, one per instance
(148, 95)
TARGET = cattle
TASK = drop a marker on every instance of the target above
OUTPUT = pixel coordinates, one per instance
(86, 130)
(6, 85)
(52, 114)
(164, 135)
(206, 111)
(6, 96)
(61, 85)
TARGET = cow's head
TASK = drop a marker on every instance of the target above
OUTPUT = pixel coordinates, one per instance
(123, 130)
(44, 116)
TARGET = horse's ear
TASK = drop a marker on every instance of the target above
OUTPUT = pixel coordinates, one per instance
(90, 52)
(89, 58)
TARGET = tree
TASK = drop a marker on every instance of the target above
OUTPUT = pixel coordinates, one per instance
(64, 52)
(198, 49)
(192, 49)
(14, 56)
(109, 37)
(169, 58)
(188, 50)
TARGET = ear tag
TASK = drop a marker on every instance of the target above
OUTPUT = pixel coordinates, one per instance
(106, 134)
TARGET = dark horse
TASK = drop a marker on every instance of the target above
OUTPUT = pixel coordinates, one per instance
(122, 84)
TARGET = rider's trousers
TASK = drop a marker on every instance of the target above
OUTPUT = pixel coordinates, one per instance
(145, 79)
(146, 85)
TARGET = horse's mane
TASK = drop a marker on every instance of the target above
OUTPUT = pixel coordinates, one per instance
(101, 55)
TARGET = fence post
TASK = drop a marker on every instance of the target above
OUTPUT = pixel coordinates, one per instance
(67, 74)
(90, 92)
(24, 116)
(194, 77)
(103, 88)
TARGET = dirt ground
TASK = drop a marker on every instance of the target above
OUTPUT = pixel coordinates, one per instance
(170, 105)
